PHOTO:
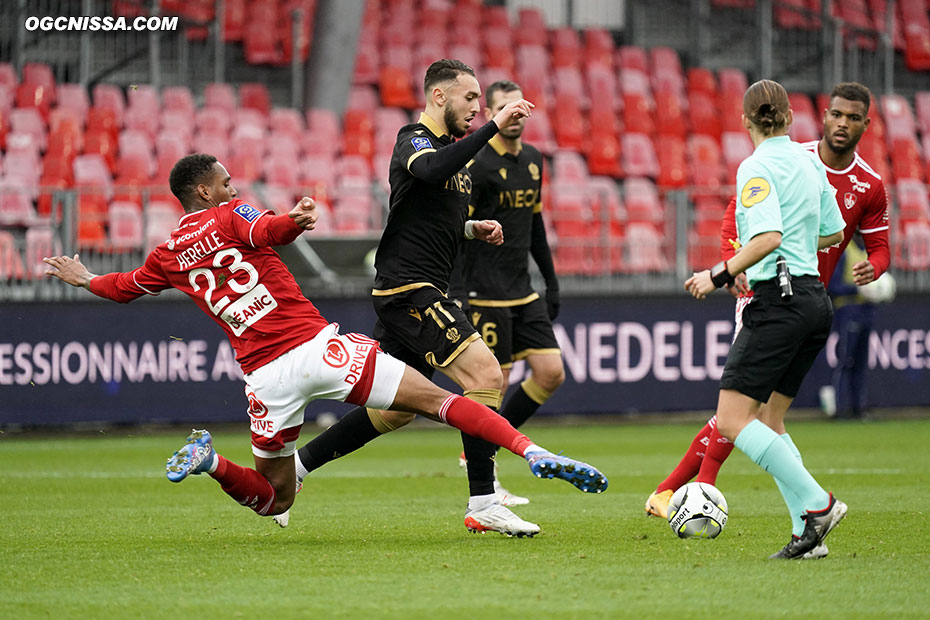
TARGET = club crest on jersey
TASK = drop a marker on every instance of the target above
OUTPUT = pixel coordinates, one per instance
(755, 191)
(336, 354)
(247, 212)
(421, 142)
(257, 408)
(534, 171)
(849, 199)
(453, 335)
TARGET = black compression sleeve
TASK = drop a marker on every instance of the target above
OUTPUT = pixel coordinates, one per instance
(539, 248)
(438, 166)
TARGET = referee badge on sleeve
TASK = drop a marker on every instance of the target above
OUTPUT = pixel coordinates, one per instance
(420, 143)
(754, 191)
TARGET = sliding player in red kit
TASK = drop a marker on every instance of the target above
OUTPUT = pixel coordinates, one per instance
(221, 256)
(863, 202)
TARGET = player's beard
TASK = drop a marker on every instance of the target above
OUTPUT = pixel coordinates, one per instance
(452, 123)
(847, 148)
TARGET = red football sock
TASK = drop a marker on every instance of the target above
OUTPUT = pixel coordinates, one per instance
(718, 450)
(246, 486)
(478, 421)
(690, 463)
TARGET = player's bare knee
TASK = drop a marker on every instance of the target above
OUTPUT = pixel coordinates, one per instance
(550, 379)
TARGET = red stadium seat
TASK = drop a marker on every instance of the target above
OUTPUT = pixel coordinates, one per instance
(286, 120)
(318, 177)
(15, 203)
(220, 95)
(178, 98)
(670, 115)
(598, 47)
(103, 144)
(641, 199)
(354, 167)
(565, 47)
(705, 165)
(637, 113)
(673, 166)
(41, 74)
(40, 242)
(110, 97)
(705, 119)
(917, 245)
(531, 27)
(11, 262)
(639, 156)
(645, 249)
(396, 85)
(538, 132)
(898, 117)
(8, 75)
(632, 58)
(33, 96)
(212, 144)
(103, 119)
(234, 19)
(702, 80)
(906, 161)
(733, 83)
(161, 218)
(569, 167)
(261, 43)
(913, 203)
(603, 196)
(736, 146)
(255, 95)
(29, 121)
(604, 155)
(125, 225)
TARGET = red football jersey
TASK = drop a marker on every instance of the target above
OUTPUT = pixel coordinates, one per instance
(863, 202)
(222, 259)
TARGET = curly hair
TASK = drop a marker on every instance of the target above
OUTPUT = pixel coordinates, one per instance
(189, 172)
(853, 91)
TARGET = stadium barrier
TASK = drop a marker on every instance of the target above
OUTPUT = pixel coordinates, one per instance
(162, 361)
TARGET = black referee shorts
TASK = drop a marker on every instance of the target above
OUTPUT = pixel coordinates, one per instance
(780, 339)
(422, 328)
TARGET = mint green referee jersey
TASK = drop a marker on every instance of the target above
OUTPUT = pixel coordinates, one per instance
(782, 187)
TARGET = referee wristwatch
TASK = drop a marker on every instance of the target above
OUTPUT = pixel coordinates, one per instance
(720, 276)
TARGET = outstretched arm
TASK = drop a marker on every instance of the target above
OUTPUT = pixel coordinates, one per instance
(117, 286)
(437, 166)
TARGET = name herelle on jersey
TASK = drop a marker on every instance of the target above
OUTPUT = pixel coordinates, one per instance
(222, 259)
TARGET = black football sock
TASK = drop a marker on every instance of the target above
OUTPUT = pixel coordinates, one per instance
(479, 455)
(350, 433)
(519, 407)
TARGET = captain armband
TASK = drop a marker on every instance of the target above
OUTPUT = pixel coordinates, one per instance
(720, 276)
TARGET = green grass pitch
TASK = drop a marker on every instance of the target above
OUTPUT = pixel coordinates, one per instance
(92, 529)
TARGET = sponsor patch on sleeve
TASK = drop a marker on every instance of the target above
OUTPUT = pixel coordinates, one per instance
(754, 191)
(247, 212)
(420, 143)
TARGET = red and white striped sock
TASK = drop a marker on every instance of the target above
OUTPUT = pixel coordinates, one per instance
(479, 421)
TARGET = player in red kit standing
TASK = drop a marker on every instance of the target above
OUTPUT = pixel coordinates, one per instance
(863, 202)
(221, 256)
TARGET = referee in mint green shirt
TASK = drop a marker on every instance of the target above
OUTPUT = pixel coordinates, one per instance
(787, 211)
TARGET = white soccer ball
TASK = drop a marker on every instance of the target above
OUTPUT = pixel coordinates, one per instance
(881, 290)
(697, 510)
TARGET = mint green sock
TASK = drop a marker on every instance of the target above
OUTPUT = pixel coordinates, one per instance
(763, 446)
(794, 504)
